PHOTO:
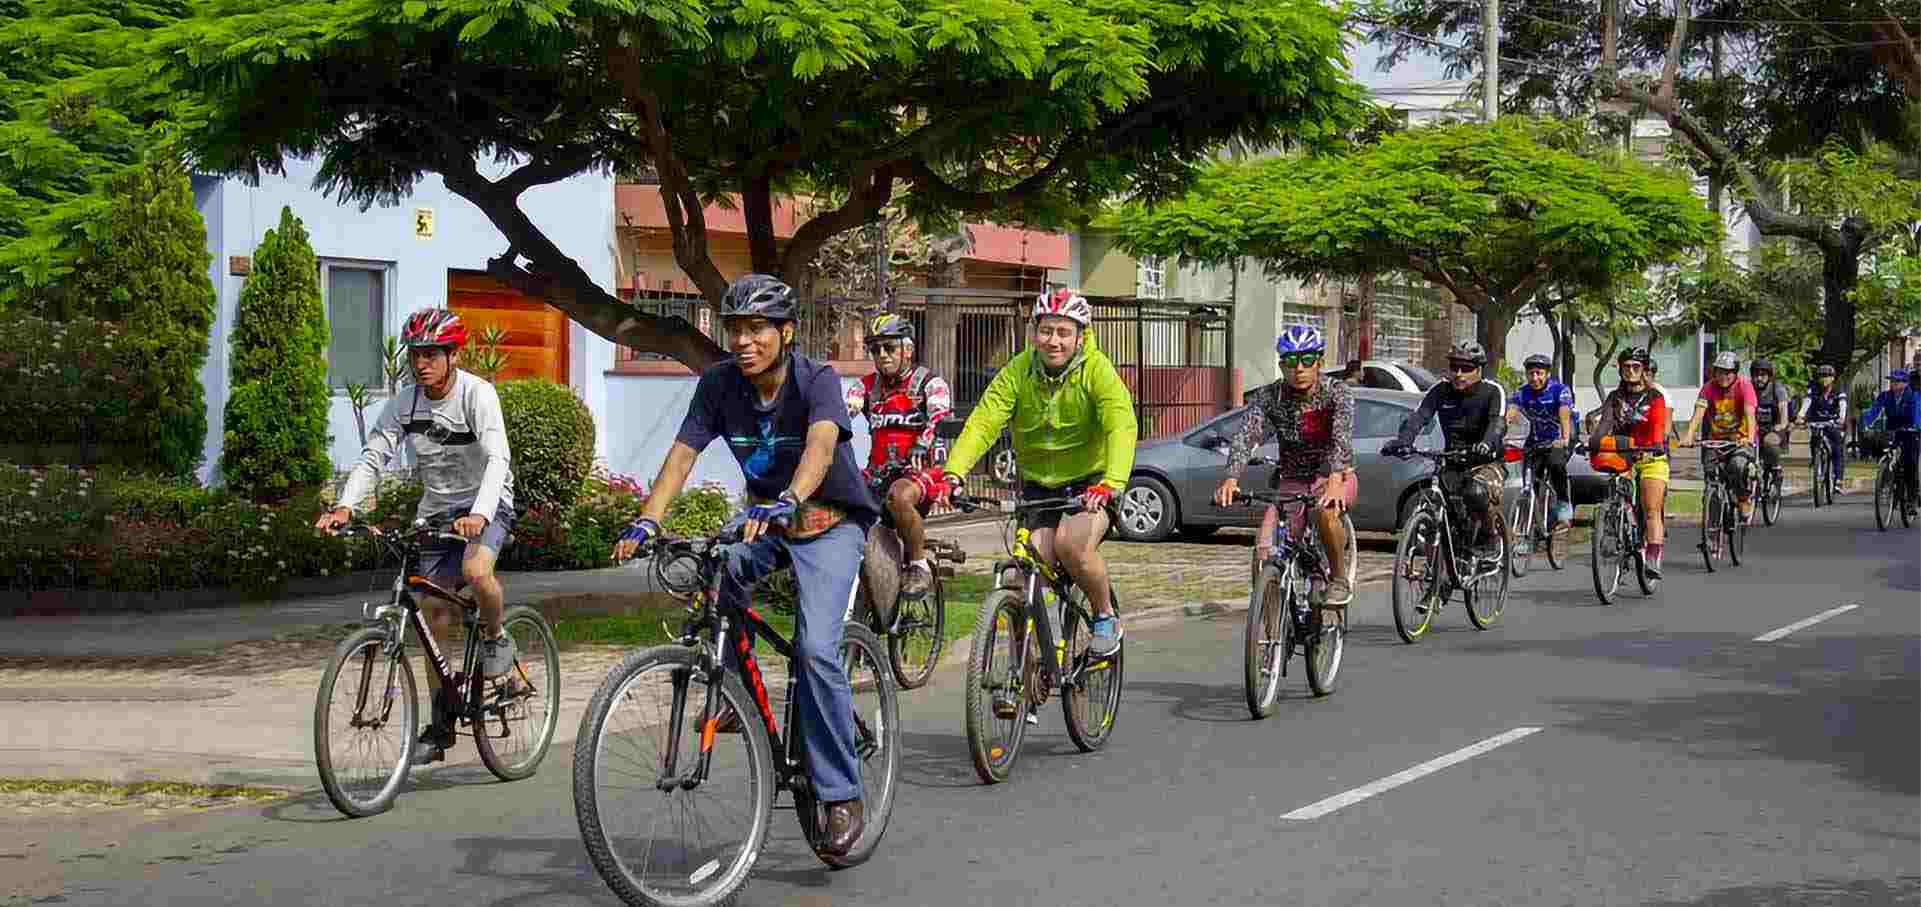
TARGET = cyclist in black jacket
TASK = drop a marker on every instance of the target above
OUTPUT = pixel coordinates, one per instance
(1471, 410)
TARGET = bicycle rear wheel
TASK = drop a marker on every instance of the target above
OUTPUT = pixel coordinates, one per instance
(1417, 576)
(1326, 643)
(1607, 555)
(1091, 698)
(1524, 535)
(876, 744)
(367, 694)
(661, 839)
(1884, 502)
(1556, 534)
(920, 634)
(1823, 479)
(516, 722)
(1265, 642)
(1002, 654)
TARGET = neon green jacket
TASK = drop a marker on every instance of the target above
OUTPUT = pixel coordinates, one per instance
(1065, 428)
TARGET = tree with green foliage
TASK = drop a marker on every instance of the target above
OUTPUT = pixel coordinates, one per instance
(1024, 111)
(143, 263)
(276, 426)
(75, 110)
(1489, 213)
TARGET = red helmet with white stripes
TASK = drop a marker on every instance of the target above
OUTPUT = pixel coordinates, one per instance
(433, 327)
(1066, 303)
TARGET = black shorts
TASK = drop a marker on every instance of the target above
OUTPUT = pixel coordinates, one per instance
(1034, 492)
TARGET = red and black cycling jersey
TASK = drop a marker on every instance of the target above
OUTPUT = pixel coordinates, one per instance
(901, 412)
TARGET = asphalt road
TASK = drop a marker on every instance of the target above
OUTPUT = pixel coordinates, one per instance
(1674, 759)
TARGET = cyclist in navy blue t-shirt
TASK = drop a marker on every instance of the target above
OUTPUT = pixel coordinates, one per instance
(1548, 407)
(784, 417)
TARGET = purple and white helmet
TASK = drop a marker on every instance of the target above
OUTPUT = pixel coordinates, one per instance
(1300, 338)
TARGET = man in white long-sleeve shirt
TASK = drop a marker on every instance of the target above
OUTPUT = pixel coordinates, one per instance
(452, 418)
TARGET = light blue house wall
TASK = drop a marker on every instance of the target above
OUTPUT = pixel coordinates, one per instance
(636, 416)
(577, 214)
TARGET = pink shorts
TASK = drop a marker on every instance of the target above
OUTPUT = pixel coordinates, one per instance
(1297, 515)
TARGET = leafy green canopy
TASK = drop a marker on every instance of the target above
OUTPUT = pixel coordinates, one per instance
(1026, 111)
(1490, 213)
(74, 111)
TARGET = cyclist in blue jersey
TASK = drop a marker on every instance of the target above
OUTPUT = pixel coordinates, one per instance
(1902, 405)
(1547, 406)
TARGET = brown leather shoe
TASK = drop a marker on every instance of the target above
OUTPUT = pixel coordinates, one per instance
(845, 822)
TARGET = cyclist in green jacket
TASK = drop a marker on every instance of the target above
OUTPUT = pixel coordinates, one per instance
(1074, 434)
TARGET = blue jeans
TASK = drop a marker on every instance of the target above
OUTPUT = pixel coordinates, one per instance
(824, 571)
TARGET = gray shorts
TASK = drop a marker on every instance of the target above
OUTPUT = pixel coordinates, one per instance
(440, 560)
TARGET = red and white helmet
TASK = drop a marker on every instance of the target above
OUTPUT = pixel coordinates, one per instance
(1066, 303)
(433, 327)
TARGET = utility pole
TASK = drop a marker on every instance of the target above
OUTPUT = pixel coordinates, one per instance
(1491, 62)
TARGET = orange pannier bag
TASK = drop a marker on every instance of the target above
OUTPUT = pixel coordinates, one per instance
(1604, 458)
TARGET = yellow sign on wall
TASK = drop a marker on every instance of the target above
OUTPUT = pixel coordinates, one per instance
(423, 223)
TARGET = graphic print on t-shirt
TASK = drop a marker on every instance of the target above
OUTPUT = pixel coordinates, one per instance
(761, 456)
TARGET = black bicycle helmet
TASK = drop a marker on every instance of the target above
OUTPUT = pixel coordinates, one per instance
(1761, 365)
(1633, 354)
(1467, 351)
(759, 294)
(1538, 361)
(1824, 371)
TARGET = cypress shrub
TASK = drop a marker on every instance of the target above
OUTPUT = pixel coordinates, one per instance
(276, 428)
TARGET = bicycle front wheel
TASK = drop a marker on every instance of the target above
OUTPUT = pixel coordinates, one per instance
(517, 719)
(919, 635)
(657, 833)
(1736, 529)
(1607, 554)
(1711, 518)
(1771, 500)
(1091, 696)
(1417, 576)
(367, 698)
(1523, 523)
(1266, 641)
(1884, 502)
(876, 742)
(997, 695)
(1820, 479)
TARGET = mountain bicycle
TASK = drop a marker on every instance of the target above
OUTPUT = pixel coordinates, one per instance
(1280, 614)
(511, 717)
(1534, 523)
(915, 628)
(1723, 533)
(1821, 464)
(1435, 557)
(1767, 496)
(1619, 531)
(1891, 492)
(1010, 673)
(674, 767)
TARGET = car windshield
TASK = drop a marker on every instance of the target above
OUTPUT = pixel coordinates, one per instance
(1423, 378)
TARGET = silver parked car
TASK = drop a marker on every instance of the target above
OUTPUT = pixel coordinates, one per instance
(1174, 478)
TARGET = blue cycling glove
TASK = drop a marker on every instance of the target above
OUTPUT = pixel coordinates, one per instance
(641, 531)
(777, 512)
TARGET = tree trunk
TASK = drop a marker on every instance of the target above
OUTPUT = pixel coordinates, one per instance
(1602, 359)
(757, 209)
(1491, 326)
(1840, 271)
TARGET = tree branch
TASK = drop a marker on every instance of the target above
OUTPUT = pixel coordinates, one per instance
(868, 192)
(686, 219)
(558, 280)
(1898, 54)
(565, 162)
(1473, 297)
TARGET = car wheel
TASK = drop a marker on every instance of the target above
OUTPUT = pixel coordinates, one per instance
(1147, 511)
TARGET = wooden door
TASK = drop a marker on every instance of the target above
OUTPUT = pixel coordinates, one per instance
(536, 341)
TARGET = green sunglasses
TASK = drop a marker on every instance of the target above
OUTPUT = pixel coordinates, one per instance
(1298, 360)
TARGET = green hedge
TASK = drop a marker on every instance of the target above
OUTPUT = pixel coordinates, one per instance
(79, 382)
(115, 531)
(276, 416)
(551, 434)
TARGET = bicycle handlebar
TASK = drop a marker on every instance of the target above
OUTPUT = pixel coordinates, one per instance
(1439, 456)
(1016, 505)
(1274, 497)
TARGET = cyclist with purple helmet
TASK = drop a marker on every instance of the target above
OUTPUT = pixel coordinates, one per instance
(1312, 417)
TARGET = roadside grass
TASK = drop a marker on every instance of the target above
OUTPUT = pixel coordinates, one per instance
(134, 792)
